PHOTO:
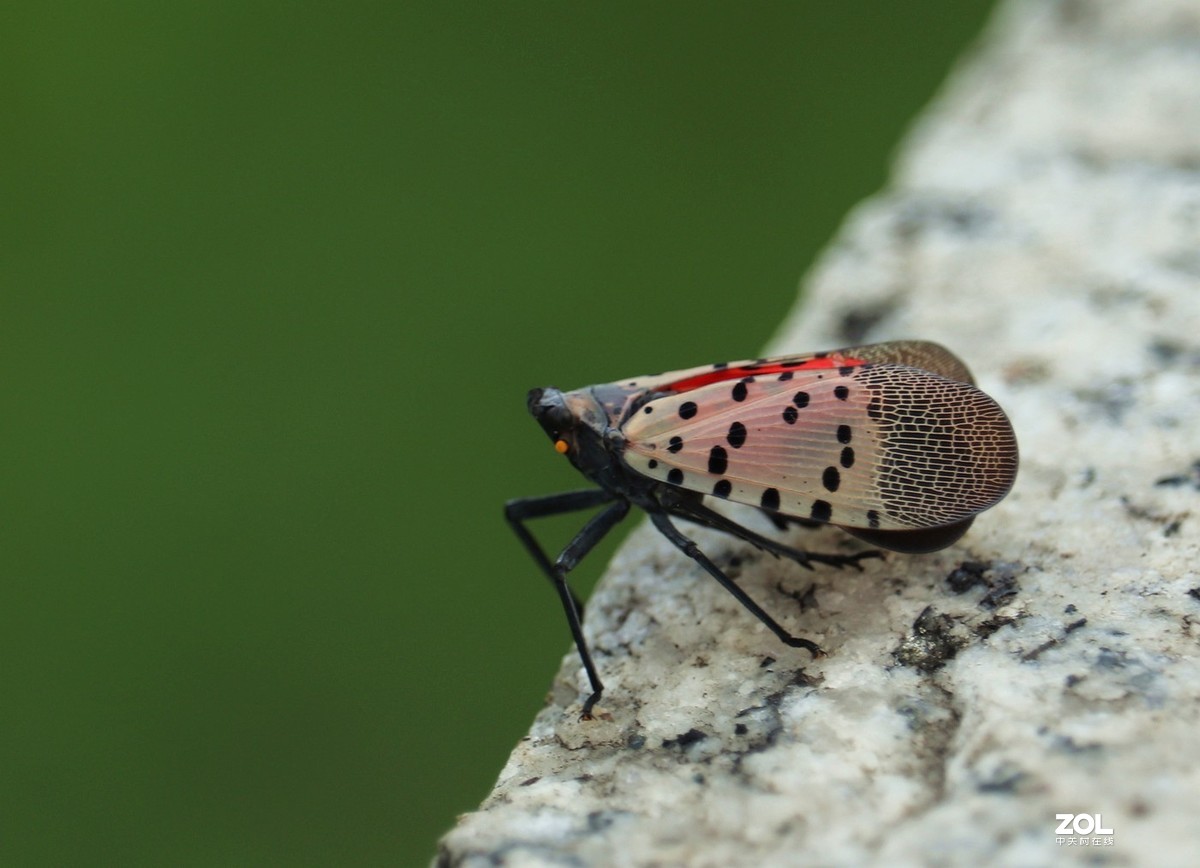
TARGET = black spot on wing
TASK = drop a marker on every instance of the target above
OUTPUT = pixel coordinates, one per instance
(718, 461)
(770, 499)
(736, 435)
(687, 409)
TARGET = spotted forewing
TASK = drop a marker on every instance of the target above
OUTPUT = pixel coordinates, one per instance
(889, 437)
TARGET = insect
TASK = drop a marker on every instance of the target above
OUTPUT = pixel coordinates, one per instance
(890, 442)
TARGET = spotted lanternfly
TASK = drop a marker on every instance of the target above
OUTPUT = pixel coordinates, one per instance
(890, 442)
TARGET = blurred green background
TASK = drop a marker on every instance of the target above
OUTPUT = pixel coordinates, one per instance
(275, 279)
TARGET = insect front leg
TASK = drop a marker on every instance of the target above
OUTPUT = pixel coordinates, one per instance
(701, 514)
(689, 548)
(521, 510)
(582, 543)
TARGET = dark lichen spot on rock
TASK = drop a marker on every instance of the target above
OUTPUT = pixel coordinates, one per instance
(984, 629)
(1037, 652)
(998, 577)
(933, 641)
(1000, 590)
(599, 821)
(1111, 401)
(1004, 779)
(760, 726)
(967, 575)
(685, 740)
(1189, 477)
(1067, 744)
(1164, 351)
(1169, 522)
(1110, 659)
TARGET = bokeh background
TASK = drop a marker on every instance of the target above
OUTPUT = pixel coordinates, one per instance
(274, 280)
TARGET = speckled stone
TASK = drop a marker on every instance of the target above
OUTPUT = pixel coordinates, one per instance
(1044, 223)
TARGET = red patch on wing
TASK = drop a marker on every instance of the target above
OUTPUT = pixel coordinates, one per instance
(758, 369)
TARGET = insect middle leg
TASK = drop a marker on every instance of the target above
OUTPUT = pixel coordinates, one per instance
(701, 514)
(583, 542)
(689, 548)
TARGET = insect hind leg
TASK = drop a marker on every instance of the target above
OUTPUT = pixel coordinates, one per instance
(689, 548)
(710, 518)
(785, 522)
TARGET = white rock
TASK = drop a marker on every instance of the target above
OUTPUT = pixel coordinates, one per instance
(1044, 222)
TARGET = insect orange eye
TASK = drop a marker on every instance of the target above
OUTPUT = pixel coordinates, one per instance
(561, 447)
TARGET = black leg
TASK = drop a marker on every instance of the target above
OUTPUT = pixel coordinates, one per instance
(590, 535)
(521, 510)
(701, 514)
(689, 548)
(783, 522)
(583, 542)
